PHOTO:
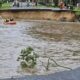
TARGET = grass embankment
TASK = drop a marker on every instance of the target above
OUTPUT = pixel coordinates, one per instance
(6, 6)
(77, 11)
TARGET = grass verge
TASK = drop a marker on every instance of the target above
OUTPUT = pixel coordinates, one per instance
(6, 6)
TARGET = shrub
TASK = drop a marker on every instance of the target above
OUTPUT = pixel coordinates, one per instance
(28, 58)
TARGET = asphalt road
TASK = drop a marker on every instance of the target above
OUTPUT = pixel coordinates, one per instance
(38, 8)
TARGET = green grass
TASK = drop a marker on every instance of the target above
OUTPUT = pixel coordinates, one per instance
(6, 6)
(77, 11)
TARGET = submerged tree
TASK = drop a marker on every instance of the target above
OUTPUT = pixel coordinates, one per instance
(28, 58)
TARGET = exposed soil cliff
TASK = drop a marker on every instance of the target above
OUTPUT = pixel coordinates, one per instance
(39, 15)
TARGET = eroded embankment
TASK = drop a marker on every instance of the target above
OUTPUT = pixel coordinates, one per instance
(38, 14)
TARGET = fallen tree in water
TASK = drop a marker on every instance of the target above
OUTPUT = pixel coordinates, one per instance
(28, 59)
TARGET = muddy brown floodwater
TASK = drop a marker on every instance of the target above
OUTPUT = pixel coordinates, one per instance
(60, 41)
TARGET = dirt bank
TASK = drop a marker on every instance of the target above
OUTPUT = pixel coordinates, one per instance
(39, 15)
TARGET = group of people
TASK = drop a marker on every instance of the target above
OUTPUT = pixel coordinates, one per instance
(9, 20)
(61, 5)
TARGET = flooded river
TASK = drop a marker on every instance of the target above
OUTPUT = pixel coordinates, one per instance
(61, 43)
